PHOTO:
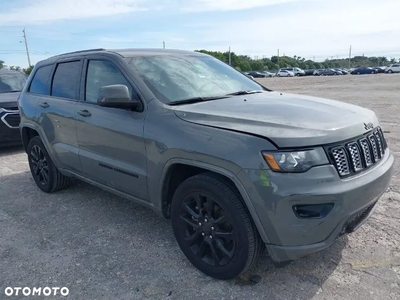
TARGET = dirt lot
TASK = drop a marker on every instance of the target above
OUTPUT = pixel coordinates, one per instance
(104, 247)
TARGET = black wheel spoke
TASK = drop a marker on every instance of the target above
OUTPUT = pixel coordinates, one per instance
(220, 220)
(224, 235)
(223, 249)
(35, 167)
(190, 222)
(192, 239)
(214, 254)
(191, 211)
(210, 204)
(45, 175)
(202, 248)
(34, 154)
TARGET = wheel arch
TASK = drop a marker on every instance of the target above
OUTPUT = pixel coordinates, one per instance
(27, 133)
(178, 170)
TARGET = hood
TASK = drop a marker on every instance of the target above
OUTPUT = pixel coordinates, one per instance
(9, 99)
(288, 120)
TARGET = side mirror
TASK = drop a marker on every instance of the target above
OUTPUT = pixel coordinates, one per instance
(116, 96)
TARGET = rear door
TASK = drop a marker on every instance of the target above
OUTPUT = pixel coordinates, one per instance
(55, 114)
(112, 149)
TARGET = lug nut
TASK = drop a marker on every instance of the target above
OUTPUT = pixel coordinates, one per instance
(210, 236)
(205, 220)
(202, 233)
(199, 223)
(212, 228)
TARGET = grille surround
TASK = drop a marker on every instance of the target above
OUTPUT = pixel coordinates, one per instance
(10, 118)
(356, 155)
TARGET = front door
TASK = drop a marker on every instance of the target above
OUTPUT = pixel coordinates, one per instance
(112, 149)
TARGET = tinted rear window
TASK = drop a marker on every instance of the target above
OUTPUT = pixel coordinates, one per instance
(40, 82)
(66, 80)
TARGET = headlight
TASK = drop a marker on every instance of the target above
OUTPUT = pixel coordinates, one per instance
(295, 161)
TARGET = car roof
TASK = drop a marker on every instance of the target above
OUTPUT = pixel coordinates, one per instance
(128, 52)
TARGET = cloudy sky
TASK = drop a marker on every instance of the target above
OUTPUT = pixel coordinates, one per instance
(307, 28)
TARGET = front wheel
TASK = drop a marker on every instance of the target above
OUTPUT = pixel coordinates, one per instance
(213, 228)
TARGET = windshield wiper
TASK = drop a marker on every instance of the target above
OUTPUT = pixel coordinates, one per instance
(239, 93)
(195, 100)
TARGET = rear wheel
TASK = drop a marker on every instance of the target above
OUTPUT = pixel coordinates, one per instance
(44, 172)
(390, 71)
(213, 228)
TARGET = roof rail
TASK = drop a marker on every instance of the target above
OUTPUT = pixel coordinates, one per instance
(81, 51)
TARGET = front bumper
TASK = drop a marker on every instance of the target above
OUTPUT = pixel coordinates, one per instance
(9, 127)
(273, 196)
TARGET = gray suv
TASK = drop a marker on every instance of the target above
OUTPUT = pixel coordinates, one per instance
(234, 165)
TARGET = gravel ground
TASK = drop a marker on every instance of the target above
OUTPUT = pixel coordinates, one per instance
(104, 247)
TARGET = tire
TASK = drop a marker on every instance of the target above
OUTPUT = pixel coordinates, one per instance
(43, 170)
(358, 73)
(390, 71)
(207, 211)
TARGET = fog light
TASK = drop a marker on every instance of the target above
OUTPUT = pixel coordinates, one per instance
(312, 211)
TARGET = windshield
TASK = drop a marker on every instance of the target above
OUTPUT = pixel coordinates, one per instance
(12, 82)
(174, 78)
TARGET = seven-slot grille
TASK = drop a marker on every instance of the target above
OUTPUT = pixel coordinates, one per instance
(359, 154)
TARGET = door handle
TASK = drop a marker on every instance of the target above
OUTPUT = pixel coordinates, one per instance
(44, 105)
(84, 113)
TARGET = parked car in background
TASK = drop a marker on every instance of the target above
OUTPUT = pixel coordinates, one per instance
(381, 69)
(341, 71)
(295, 71)
(395, 68)
(268, 74)
(11, 85)
(257, 74)
(326, 72)
(284, 73)
(363, 70)
(309, 72)
(249, 76)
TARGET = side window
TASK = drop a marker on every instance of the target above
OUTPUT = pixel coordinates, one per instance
(66, 80)
(40, 82)
(101, 73)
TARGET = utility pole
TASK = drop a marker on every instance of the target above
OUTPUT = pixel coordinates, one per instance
(163, 43)
(278, 56)
(26, 47)
(313, 58)
(350, 58)
(230, 59)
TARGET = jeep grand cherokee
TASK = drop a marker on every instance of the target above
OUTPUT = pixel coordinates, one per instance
(234, 165)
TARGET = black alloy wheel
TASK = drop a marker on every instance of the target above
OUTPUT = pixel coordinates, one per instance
(40, 167)
(43, 170)
(209, 231)
(213, 228)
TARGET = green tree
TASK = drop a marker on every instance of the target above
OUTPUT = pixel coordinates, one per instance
(16, 68)
(28, 70)
(1, 64)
